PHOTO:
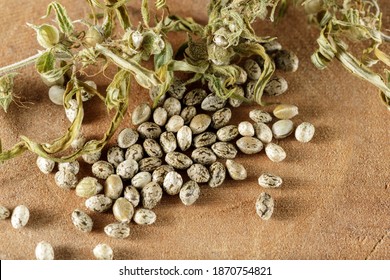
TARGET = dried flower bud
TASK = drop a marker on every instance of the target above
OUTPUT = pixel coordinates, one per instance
(93, 36)
(137, 38)
(6, 88)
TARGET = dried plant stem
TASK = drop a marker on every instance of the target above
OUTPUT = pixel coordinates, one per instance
(17, 65)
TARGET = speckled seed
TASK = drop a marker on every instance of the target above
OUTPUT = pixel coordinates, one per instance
(45, 165)
(160, 173)
(203, 155)
(172, 106)
(65, 179)
(135, 152)
(141, 179)
(151, 195)
(252, 69)
(189, 193)
(217, 174)
(236, 170)
(44, 251)
(127, 137)
(205, 139)
(304, 132)
(174, 123)
(286, 61)
(152, 148)
(71, 111)
(177, 89)
(264, 206)
(268, 180)
(200, 123)
(168, 141)
(132, 195)
(88, 186)
(141, 114)
(98, 203)
(113, 186)
(117, 230)
(178, 160)
(213, 102)
(194, 97)
(102, 169)
(242, 77)
(184, 138)
(154, 93)
(188, 113)
(172, 183)
(82, 221)
(198, 173)
(4, 213)
(235, 101)
(277, 85)
(92, 157)
(115, 155)
(149, 130)
(275, 152)
(221, 118)
(123, 210)
(149, 164)
(282, 128)
(250, 90)
(263, 132)
(79, 141)
(127, 169)
(245, 128)
(285, 111)
(260, 116)
(73, 166)
(224, 150)
(160, 116)
(144, 217)
(103, 252)
(272, 46)
(249, 145)
(20, 216)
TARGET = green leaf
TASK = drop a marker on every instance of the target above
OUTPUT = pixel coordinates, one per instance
(164, 57)
(64, 22)
(6, 90)
(145, 12)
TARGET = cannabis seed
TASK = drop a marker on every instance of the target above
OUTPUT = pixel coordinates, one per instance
(188, 113)
(205, 139)
(113, 186)
(141, 114)
(20, 216)
(135, 152)
(127, 169)
(123, 210)
(56, 94)
(152, 148)
(73, 166)
(245, 128)
(286, 61)
(252, 69)
(141, 179)
(282, 128)
(268, 180)
(99, 203)
(264, 206)
(217, 174)
(92, 157)
(88, 187)
(4, 213)
(249, 145)
(277, 85)
(177, 89)
(160, 173)
(250, 90)
(203, 155)
(213, 102)
(115, 155)
(82, 221)
(189, 193)
(275, 152)
(221, 118)
(44, 251)
(127, 137)
(160, 116)
(198, 173)
(172, 106)
(45, 165)
(144, 217)
(304, 132)
(102, 169)
(260, 116)
(194, 97)
(237, 98)
(184, 138)
(200, 123)
(151, 195)
(71, 112)
(227, 133)
(132, 195)
(263, 132)
(103, 252)
(236, 170)
(174, 124)
(79, 141)
(272, 46)
(149, 130)
(65, 179)
(168, 141)
(117, 230)
(172, 183)
(224, 150)
(149, 164)
(178, 160)
(285, 111)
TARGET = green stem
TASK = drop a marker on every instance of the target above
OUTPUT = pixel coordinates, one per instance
(19, 64)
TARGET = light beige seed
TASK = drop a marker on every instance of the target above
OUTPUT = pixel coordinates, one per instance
(20, 216)
(263, 132)
(4, 213)
(127, 137)
(189, 193)
(198, 173)
(151, 195)
(227, 133)
(115, 155)
(250, 90)
(221, 118)
(102, 169)
(304, 132)
(217, 174)
(178, 160)
(135, 152)
(160, 173)
(172, 106)
(168, 141)
(88, 186)
(65, 179)
(205, 139)
(252, 69)
(127, 169)
(203, 155)
(285, 111)
(275, 152)
(277, 85)
(212, 102)
(73, 166)
(123, 210)
(174, 123)
(152, 148)
(200, 123)
(149, 164)
(177, 88)
(117, 230)
(149, 130)
(172, 183)
(194, 97)
(236, 100)
(242, 78)
(160, 116)
(224, 150)
(92, 157)
(286, 61)
(188, 113)
(264, 206)
(45, 165)
(144, 217)
(141, 114)
(249, 145)
(260, 116)
(141, 179)
(132, 195)
(245, 128)
(44, 251)
(82, 221)
(103, 252)
(282, 128)
(98, 203)
(236, 170)
(268, 180)
(184, 138)
(113, 186)
(79, 141)
(154, 93)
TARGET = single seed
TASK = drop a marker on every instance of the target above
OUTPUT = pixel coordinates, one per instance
(172, 106)
(73, 166)
(141, 179)
(250, 90)
(152, 148)
(184, 138)
(113, 186)
(178, 160)
(149, 164)
(277, 85)
(177, 89)
(236, 100)
(172, 183)
(45, 165)
(286, 61)
(168, 141)
(174, 123)
(127, 137)
(252, 69)
(200, 123)
(79, 141)
(149, 130)
(194, 97)
(92, 157)
(99, 203)
(127, 169)
(236, 170)
(263, 132)
(272, 46)
(264, 206)
(268, 180)
(135, 152)
(4, 213)
(103, 252)
(285, 111)
(275, 152)
(221, 118)
(144, 217)
(249, 145)
(282, 128)
(123, 210)
(245, 128)
(117, 230)
(88, 186)
(65, 179)
(217, 174)
(56, 94)
(213, 102)
(44, 251)
(227, 133)
(115, 155)
(20, 216)
(304, 132)
(132, 195)
(160, 116)
(82, 221)
(224, 150)
(205, 139)
(102, 169)
(203, 155)
(188, 113)
(198, 173)
(260, 116)
(189, 193)
(151, 195)
(141, 114)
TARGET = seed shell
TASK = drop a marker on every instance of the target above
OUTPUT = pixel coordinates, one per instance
(184, 138)
(113, 186)
(174, 123)
(99, 203)
(160, 116)
(168, 141)
(277, 85)
(213, 102)
(115, 155)
(200, 123)
(73, 166)
(188, 113)
(217, 174)
(286, 61)
(221, 118)
(194, 97)
(268, 180)
(203, 155)
(127, 137)
(260, 116)
(44, 251)
(227, 133)
(151, 195)
(102, 169)
(205, 139)
(236, 170)
(160, 173)
(172, 183)
(249, 145)
(285, 111)
(117, 230)
(141, 179)
(149, 130)
(65, 179)
(135, 152)
(45, 165)
(304, 132)
(144, 217)
(141, 114)
(282, 128)
(172, 106)
(189, 193)
(87, 187)
(20, 216)
(245, 128)
(275, 152)
(178, 160)
(264, 206)
(198, 173)
(123, 210)
(152, 148)
(82, 221)
(224, 150)
(127, 169)
(263, 132)
(149, 164)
